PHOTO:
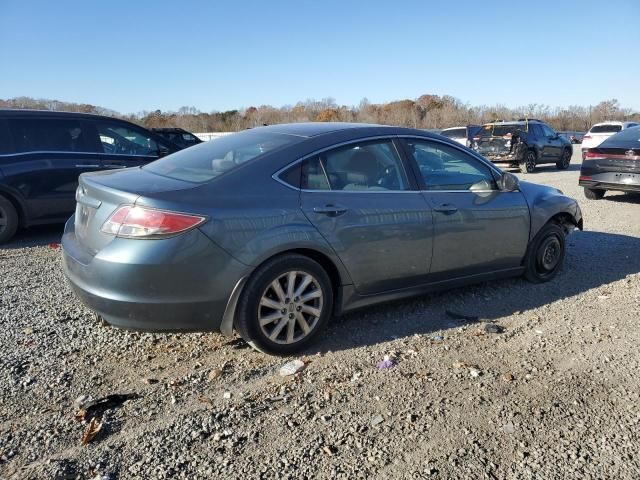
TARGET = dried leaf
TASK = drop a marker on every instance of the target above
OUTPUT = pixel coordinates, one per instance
(205, 399)
(92, 430)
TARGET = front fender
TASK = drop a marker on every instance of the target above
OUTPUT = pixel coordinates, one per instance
(547, 202)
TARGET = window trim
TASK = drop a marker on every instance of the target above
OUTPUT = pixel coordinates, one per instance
(495, 171)
(413, 186)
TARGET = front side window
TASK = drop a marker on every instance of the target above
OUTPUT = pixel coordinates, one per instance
(547, 131)
(367, 166)
(49, 135)
(443, 167)
(119, 139)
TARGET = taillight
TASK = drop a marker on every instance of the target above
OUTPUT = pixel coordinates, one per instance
(585, 178)
(140, 222)
(590, 155)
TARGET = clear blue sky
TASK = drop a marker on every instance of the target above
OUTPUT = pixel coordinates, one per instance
(141, 55)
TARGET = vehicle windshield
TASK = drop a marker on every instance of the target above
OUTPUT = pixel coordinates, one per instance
(205, 161)
(455, 133)
(628, 138)
(605, 129)
(493, 130)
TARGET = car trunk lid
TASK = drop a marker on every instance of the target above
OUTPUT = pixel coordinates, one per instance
(100, 194)
(615, 159)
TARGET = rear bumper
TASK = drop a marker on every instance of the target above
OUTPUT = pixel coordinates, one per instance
(177, 284)
(502, 157)
(624, 182)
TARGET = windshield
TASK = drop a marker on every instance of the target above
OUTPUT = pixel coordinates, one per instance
(205, 161)
(605, 129)
(499, 130)
(629, 138)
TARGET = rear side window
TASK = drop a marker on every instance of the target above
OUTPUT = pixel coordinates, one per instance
(49, 135)
(605, 129)
(205, 161)
(367, 166)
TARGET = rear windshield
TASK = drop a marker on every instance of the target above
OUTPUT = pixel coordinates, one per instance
(455, 133)
(628, 138)
(205, 161)
(605, 129)
(499, 130)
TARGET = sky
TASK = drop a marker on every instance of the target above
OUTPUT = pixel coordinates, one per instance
(131, 56)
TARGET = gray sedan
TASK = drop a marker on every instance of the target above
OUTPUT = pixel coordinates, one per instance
(273, 230)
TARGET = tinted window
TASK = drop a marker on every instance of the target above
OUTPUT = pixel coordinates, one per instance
(205, 161)
(627, 138)
(6, 142)
(536, 130)
(49, 135)
(446, 168)
(455, 133)
(370, 166)
(120, 139)
(492, 130)
(605, 129)
(547, 131)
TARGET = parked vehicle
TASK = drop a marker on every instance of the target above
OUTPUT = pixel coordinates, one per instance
(178, 136)
(523, 144)
(42, 153)
(462, 135)
(613, 165)
(573, 136)
(599, 132)
(272, 230)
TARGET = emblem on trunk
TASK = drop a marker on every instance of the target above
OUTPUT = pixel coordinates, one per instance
(629, 153)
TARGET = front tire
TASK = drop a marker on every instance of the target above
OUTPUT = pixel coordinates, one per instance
(9, 220)
(528, 164)
(546, 254)
(285, 304)
(564, 161)
(593, 194)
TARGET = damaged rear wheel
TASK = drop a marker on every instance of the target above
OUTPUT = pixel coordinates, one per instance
(528, 164)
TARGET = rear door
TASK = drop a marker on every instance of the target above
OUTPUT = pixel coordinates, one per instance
(50, 154)
(361, 200)
(477, 228)
(124, 145)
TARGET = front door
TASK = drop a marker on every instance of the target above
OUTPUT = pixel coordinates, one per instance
(360, 199)
(477, 228)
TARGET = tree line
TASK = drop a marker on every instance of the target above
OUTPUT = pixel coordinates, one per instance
(426, 112)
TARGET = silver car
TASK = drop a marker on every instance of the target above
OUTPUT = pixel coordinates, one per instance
(273, 230)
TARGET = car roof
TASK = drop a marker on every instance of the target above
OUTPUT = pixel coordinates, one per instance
(612, 122)
(17, 112)
(313, 129)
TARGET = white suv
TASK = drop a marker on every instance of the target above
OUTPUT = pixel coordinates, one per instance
(601, 131)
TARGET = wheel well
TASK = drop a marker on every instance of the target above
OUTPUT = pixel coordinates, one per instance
(325, 262)
(566, 221)
(21, 213)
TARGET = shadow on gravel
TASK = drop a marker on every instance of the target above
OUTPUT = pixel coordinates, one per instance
(623, 198)
(593, 259)
(35, 237)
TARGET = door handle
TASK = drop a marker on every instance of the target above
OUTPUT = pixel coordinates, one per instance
(330, 210)
(446, 208)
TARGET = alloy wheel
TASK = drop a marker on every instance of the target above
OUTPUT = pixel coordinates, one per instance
(290, 307)
(531, 162)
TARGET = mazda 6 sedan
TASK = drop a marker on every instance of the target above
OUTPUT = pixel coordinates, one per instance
(272, 231)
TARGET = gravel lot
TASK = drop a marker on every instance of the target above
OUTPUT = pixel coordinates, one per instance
(556, 395)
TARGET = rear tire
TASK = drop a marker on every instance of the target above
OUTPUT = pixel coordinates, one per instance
(545, 255)
(528, 164)
(9, 220)
(565, 160)
(278, 317)
(593, 194)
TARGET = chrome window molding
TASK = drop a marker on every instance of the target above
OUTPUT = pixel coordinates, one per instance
(67, 152)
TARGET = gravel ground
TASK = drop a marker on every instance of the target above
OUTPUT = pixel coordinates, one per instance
(555, 395)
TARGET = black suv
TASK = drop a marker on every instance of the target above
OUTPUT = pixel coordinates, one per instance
(179, 136)
(524, 144)
(42, 153)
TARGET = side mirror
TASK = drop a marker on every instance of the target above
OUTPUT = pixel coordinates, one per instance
(508, 182)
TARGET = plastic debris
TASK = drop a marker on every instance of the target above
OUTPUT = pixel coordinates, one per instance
(493, 328)
(386, 363)
(377, 420)
(291, 368)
